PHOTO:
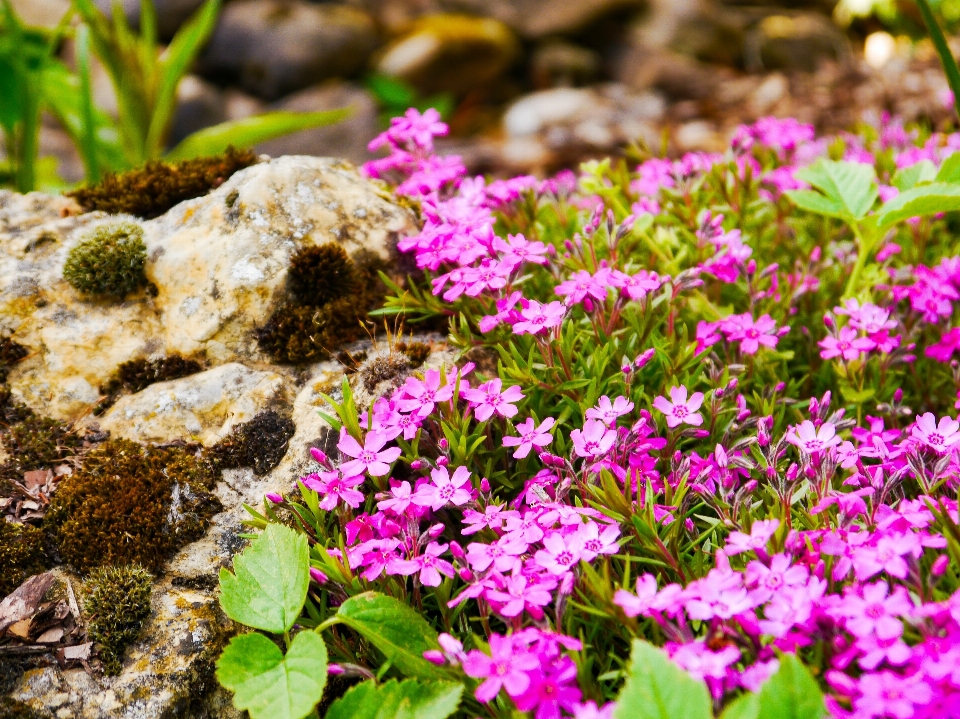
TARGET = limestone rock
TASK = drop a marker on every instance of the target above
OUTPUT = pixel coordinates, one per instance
(203, 407)
(540, 18)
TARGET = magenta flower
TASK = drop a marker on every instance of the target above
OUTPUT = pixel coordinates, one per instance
(445, 489)
(582, 284)
(428, 564)
(371, 457)
(608, 412)
(530, 436)
(886, 694)
(943, 350)
(502, 554)
(397, 500)
(702, 663)
(760, 533)
(847, 345)
(420, 395)
(875, 612)
(536, 317)
(507, 667)
(812, 440)
(560, 554)
(753, 333)
(519, 593)
(376, 556)
(595, 542)
(336, 488)
(937, 436)
(489, 399)
(648, 599)
(552, 690)
(679, 409)
(595, 440)
(517, 249)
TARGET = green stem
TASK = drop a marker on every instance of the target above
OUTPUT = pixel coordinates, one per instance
(946, 57)
(862, 252)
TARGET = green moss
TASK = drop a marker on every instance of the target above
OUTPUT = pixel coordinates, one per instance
(109, 261)
(416, 352)
(118, 603)
(32, 440)
(157, 186)
(131, 504)
(138, 374)
(22, 554)
(13, 709)
(259, 443)
(10, 353)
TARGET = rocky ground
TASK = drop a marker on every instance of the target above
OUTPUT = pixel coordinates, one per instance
(535, 84)
(218, 267)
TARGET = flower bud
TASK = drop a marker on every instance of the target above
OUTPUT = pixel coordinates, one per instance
(750, 487)
(828, 321)
(334, 670)
(732, 384)
(940, 565)
(435, 531)
(319, 455)
(643, 358)
(466, 575)
(484, 485)
(457, 551)
(443, 444)
(898, 395)
(792, 471)
(435, 656)
(318, 576)
(442, 461)
(781, 386)
(275, 498)
(416, 465)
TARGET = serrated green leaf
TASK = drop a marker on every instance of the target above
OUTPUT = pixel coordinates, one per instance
(908, 177)
(270, 685)
(408, 699)
(815, 202)
(394, 628)
(848, 184)
(950, 169)
(270, 585)
(791, 693)
(920, 201)
(251, 131)
(656, 688)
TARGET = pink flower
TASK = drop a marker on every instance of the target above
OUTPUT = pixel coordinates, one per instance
(812, 440)
(520, 593)
(589, 710)
(335, 487)
(875, 612)
(488, 399)
(944, 349)
(428, 564)
(582, 284)
(506, 667)
(445, 489)
(648, 599)
(538, 317)
(846, 346)
(937, 436)
(551, 690)
(753, 333)
(420, 395)
(679, 409)
(595, 440)
(702, 663)
(397, 500)
(594, 541)
(760, 534)
(608, 412)
(371, 457)
(560, 554)
(502, 554)
(887, 694)
(518, 249)
(530, 436)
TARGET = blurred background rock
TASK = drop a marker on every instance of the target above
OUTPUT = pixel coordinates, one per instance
(535, 85)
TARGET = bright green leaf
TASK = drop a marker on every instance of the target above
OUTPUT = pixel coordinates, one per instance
(408, 699)
(909, 177)
(251, 131)
(815, 202)
(745, 706)
(791, 693)
(270, 685)
(397, 630)
(950, 169)
(849, 184)
(920, 201)
(270, 585)
(656, 688)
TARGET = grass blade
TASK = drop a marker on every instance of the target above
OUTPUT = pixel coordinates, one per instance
(946, 57)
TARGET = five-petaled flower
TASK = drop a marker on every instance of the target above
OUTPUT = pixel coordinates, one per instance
(680, 409)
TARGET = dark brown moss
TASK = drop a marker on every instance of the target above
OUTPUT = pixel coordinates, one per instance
(118, 603)
(14, 709)
(131, 504)
(393, 366)
(138, 374)
(33, 441)
(416, 352)
(153, 189)
(260, 443)
(21, 554)
(319, 275)
(10, 353)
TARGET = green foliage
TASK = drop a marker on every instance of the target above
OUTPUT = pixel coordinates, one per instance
(395, 96)
(270, 685)
(109, 261)
(848, 189)
(22, 554)
(270, 584)
(791, 693)
(118, 603)
(395, 629)
(656, 688)
(919, 201)
(131, 504)
(138, 374)
(260, 443)
(409, 699)
(153, 189)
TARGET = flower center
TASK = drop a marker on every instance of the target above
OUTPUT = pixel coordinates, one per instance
(565, 558)
(680, 411)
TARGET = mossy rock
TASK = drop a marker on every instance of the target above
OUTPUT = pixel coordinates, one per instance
(137, 374)
(22, 554)
(109, 261)
(153, 189)
(259, 443)
(118, 603)
(13, 709)
(33, 441)
(132, 504)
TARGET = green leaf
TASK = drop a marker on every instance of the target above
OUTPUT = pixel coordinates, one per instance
(791, 693)
(398, 631)
(656, 688)
(920, 201)
(815, 202)
(270, 685)
(848, 184)
(745, 706)
(908, 177)
(251, 130)
(270, 585)
(950, 169)
(408, 699)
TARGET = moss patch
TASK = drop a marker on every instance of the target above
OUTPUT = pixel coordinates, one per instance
(33, 441)
(22, 554)
(321, 274)
(10, 353)
(118, 603)
(157, 186)
(13, 709)
(109, 261)
(416, 352)
(259, 443)
(132, 504)
(138, 374)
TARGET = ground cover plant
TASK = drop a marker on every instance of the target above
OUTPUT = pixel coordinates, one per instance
(714, 472)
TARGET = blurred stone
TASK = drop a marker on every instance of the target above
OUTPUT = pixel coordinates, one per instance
(238, 104)
(347, 139)
(698, 135)
(274, 47)
(713, 35)
(563, 64)
(540, 18)
(800, 42)
(200, 105)
(171, 14)
(450, 53)
(41, 13)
